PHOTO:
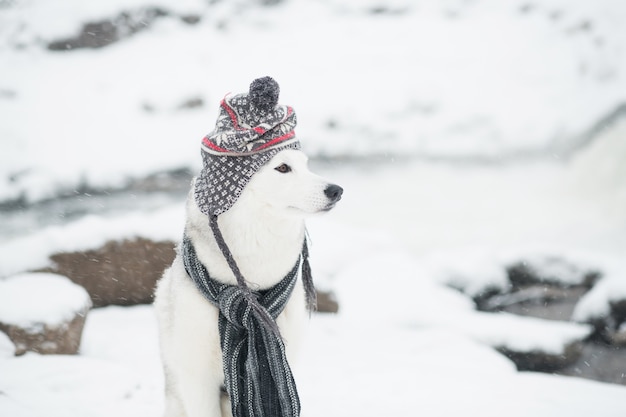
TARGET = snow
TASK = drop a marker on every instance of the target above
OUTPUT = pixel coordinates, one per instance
(472, 271)
(35, 385)
(433, 372)
(408, 96)
(345, 365)
(416, 300)
(34, 299)
(134, 349)
(402, 337)
(551, 269)
(488, 79)
(7, 348)
(33, 250)
(611, 288)
(521, 334)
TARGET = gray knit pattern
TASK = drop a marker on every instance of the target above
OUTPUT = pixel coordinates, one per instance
(257, 376)
(243, 128)
(223, 178)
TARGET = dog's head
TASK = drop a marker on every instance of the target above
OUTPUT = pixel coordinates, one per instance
(285, 183)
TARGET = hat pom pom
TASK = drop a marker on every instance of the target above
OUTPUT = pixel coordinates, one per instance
(264, 93)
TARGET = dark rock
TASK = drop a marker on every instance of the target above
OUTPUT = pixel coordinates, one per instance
(611, 328)
(192, 103)
(327, 302)
(191, 19)
(121, 273)
(618, 338)
(43, 313)
(148, 108)
(599, 362)
(483, 299)
(544, 362)
(542, 301)
(270, 2)
(105, 32)
(550, 288)
(173, 181)
(550, 270)
(47, 339)
(6, 93)
(603, 329)
(618, 310)
(386, 11)
(526, 8)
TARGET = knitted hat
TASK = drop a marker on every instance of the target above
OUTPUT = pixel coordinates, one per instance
(251, 128)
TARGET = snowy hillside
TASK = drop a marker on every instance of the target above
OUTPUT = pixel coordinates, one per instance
(454, 79)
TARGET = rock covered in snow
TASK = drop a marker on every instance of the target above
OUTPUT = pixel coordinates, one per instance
(547, 269)
(619, 337)
(599, 362)
(543, 285)
(540, 361)
(531, 343)
(43, 313)
(104, 32)
(327, 302)
(549, 297)
(604, 305)
(476, 272)
(542, 301)
(618, 309)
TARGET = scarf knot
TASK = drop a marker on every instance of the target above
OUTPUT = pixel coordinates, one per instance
(234, 306)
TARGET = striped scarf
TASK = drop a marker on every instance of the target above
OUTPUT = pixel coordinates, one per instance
(257, 377)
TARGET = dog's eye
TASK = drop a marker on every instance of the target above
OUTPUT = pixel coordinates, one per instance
(283, 169)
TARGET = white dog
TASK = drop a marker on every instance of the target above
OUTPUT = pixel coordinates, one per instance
(265, 231)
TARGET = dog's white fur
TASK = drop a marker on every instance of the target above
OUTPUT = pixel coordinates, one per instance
(264, 230)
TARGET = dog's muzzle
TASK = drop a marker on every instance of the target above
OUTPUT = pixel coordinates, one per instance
(333, 192)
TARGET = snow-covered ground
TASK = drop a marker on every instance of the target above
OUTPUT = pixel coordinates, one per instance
(455, 80)
(347, 368)
(403, 342)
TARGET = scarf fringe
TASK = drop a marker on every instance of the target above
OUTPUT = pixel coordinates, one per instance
(307, 278)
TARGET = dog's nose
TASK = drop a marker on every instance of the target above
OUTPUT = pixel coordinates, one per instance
(333, 192)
